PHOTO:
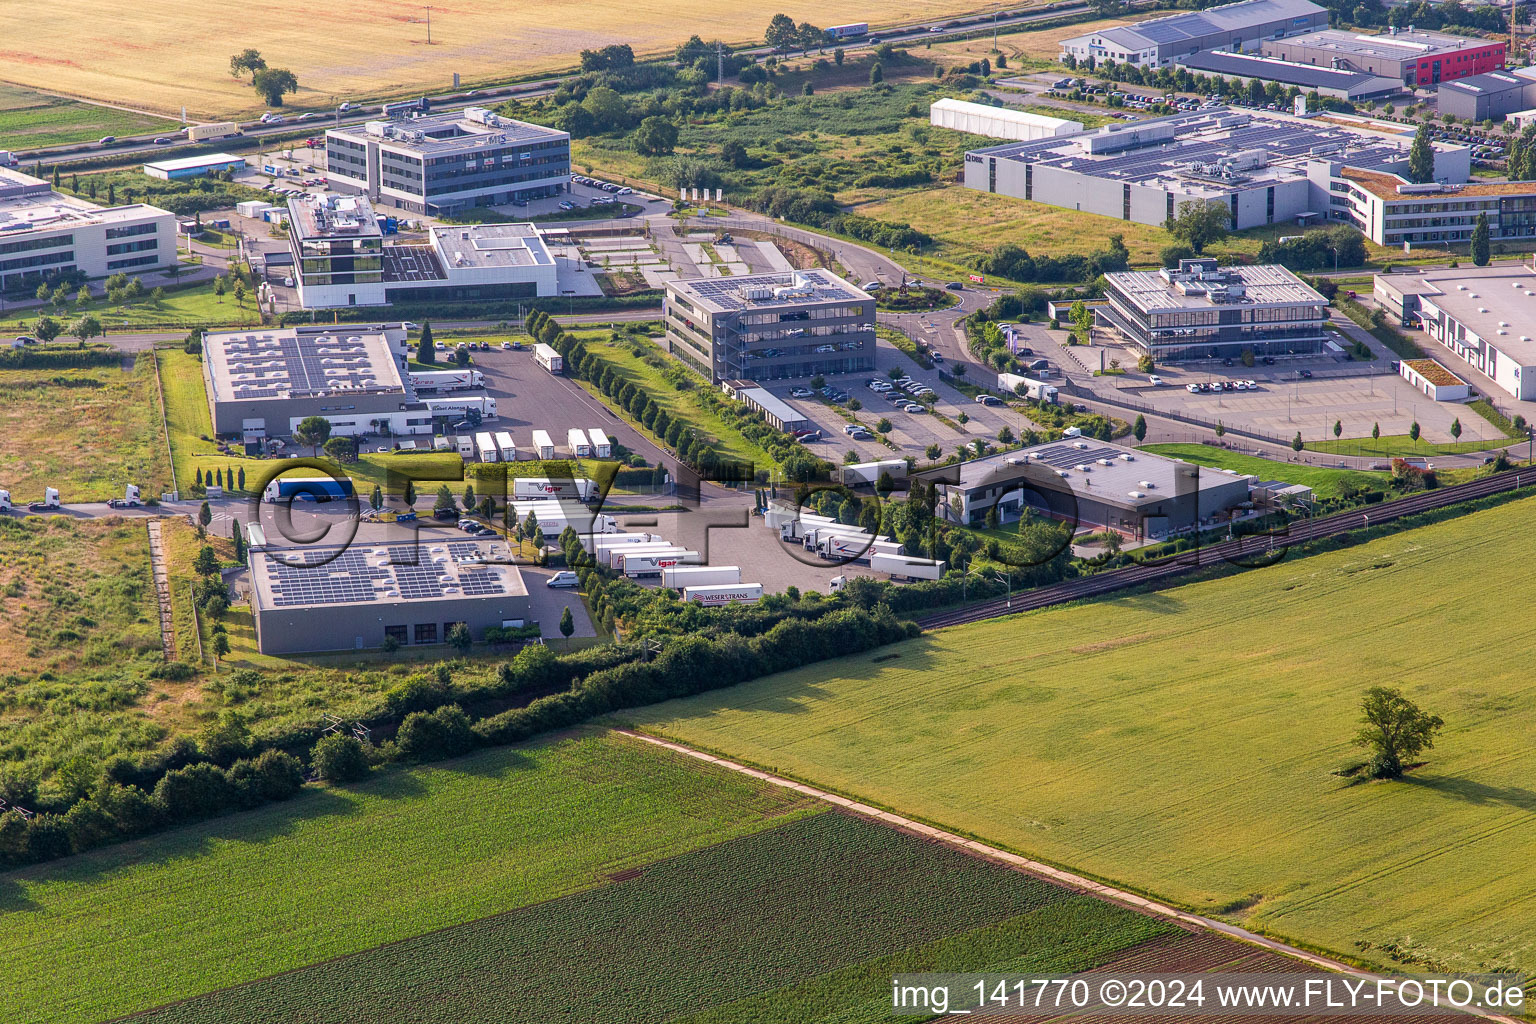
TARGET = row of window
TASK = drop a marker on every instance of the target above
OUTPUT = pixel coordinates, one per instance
(30, 244)
(46, 259)
(819, 313)
(136, 261)
(129, 230)
(425, 632)
(141, 245)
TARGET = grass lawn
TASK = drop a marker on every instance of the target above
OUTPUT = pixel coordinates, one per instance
(341, 870)
(1325, 483)
(1399, 445)
(1188, 742)
(824, 903)
(29, 120)
(88, 432)
(195, 306)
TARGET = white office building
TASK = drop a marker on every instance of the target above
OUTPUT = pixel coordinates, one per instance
(47, 236)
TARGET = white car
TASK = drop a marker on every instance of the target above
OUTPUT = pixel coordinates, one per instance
(1193, 389)
(1155, 380)
(800, 392)
(507, 345)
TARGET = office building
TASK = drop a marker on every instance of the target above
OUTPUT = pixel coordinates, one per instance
(1390, 210)
(338, 251)
(46, 236)
(1248, 67)
(1156, 42)
(194, 166)
(440, 163)
(771, 326)
(1416, 59)
(1260, 166)
(1204, 311)
(1490, 97)
(261, 382)
(1092, 485)
(1485, 316)
(333, 598)
(998, 122)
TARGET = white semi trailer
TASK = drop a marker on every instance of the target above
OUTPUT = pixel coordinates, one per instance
(580, 446)
(447, 380)
(720, 594)
(681, 577)
(505, 447)
(485, 444)
(543, 445)
(911, 568)
(525, 488)
(653, 563)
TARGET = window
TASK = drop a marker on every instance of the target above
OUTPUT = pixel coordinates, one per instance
(400, 633)
(426, 633)
(132, 229)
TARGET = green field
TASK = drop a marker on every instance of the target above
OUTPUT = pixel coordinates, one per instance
(1239, 697)
(88, 432)
(192, 306)
(824, 903)
(341, 870)
(1325, 483)
(30, 119)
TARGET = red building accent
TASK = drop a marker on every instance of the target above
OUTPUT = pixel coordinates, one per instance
(1450, 65)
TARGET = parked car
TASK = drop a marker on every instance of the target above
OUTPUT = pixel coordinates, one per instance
(1155, 380)
(799, 392)
(1305, 374)
(563, 579)
(507, 345)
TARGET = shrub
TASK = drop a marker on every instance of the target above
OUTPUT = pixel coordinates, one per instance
(192, 793)
(339, 758)
(274, 775)
(430, 736)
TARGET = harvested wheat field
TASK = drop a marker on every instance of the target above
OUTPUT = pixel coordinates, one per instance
(162, 54)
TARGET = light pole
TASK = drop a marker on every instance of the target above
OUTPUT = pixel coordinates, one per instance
(429, 39)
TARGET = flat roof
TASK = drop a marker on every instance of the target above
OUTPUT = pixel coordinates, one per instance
(1395, 46)
(1261, 285)
(1498, 304)
(1010, 114)
(1491, 83)
(412, 263)
(1177, 151)
(400, 573)
(332, 215)
(1386, 185)
(1112, 471)
(1285, 72)
(491, 245)
(771, 404)
(271, 365)
(457, 131)
(189, 162)
(30, 204)
(794, 288)
(1187, 26)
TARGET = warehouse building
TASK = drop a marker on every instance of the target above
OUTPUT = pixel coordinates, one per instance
(1093, 485)
(46, 236)
(1490, 97)
(341, 260)
(261, 382)
(441, 163)
(1416, 59)
(1239, 26)
(330, 598)
(998, 122)
(1259, 166)
(1330, 82)
(1203, 311)
(194, 166)
(1390, 210)
(771, 326)
(1485, 316)
(776, 412)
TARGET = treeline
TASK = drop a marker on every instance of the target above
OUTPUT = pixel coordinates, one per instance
(1337, 246)
(1015, 263)
(646, 299)
(818, 209)
(78, 358)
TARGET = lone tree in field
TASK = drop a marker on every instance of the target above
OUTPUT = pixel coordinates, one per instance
(246, 62)
(782, 33)
(86, 328)
(1199, 222)
(313, 431)
(274, 84)
(1394, 729)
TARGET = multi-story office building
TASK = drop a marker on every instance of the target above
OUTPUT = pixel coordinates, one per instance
(771, 326)
(1239, 26)
(1204, 311)
(338, 251)
(1417, 59)
(1390, 210)
(46, 236)
(445, 162)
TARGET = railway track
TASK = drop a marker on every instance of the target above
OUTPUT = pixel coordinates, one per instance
(1252, 550)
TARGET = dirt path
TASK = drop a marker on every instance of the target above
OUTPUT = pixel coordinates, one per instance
(162, 590)
(1035, 867)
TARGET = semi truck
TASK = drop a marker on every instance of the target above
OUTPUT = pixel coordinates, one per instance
(460, 405)
(855, 31)
(8, 159)
(130, 499)
(308, 488)
(858, 548)
(652, 563)
(868, 473)
(602, 448)
(584, 524)
(5, 501)
(720, 594)
(485, 445)
(543, 445)
(681, 577)
(910, 568)
(580, 446)
(548, 358)
(50, 500)
(616, 555)
(525, 487)
(796, 529)
(505, 446)
(447, 380)
(219, 130)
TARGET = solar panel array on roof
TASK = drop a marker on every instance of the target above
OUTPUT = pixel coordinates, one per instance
(412, 263)
(361, 575)
(1065, 456)
(347, 578)
(281, 365)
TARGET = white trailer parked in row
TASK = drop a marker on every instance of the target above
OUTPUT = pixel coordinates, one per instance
(576, 440)
(543, 445)
(681, 577)
(859, 549)
(466, 446)
(653, 563)
(548, 358)
(911, 568)
(5, 501)
(616, 554)
(600, 546)
(446, 380)
(505, 446)
(461, 405)
(485, 444)
(739, 593)
(796, 529)
(540, 487)
(602, 448)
